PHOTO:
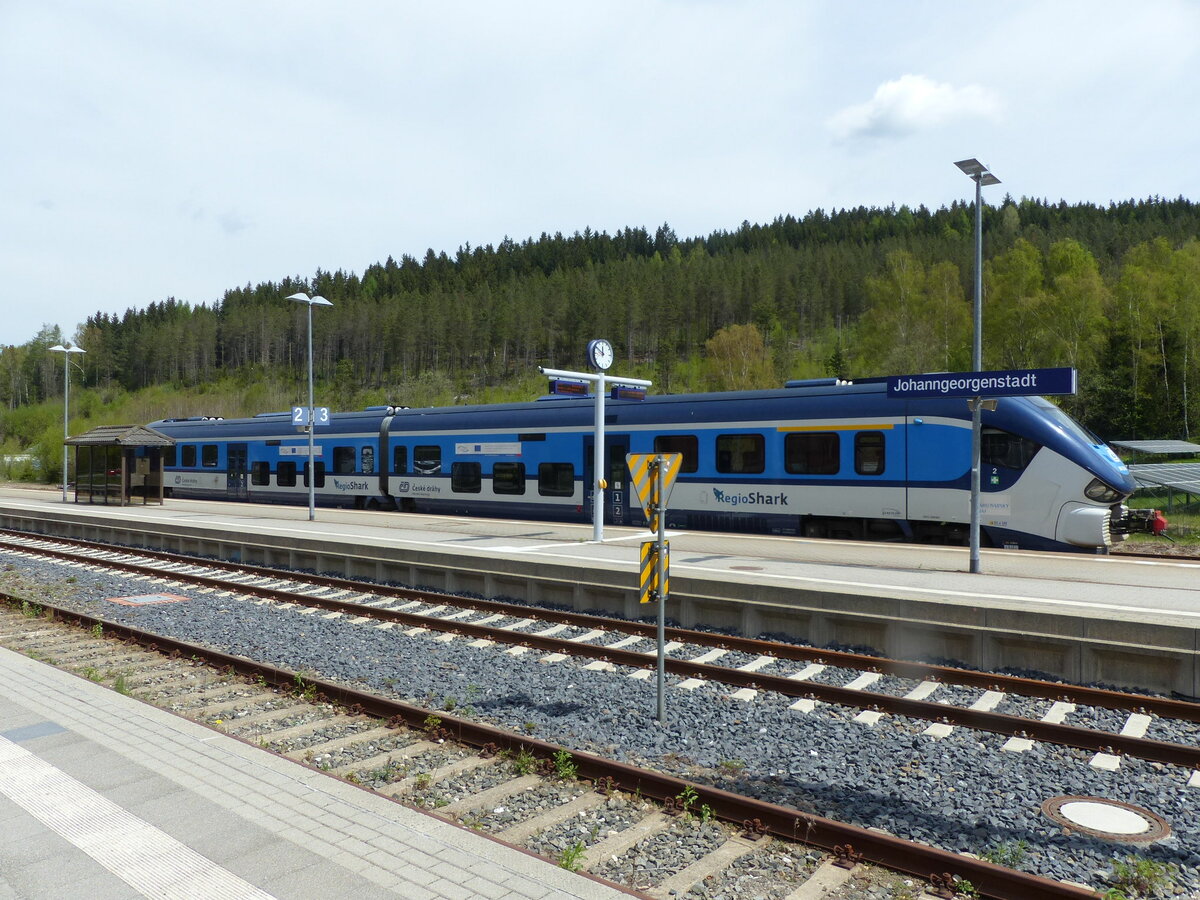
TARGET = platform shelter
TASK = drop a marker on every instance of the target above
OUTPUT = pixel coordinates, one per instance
(110, 470)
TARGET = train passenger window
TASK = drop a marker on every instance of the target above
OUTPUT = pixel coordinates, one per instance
(556, 479)
(320, 470)
(812, 453)
(189, 456)
(740, 453)
(868, 453)
(508, 478)
(1000, 448)
(208, 455)
(466, 477)
(368, 460)
(680, 443)
(427, 460)
(343, 460)
(400, 460)
(260, 473)
(285, 474)
(168, 456)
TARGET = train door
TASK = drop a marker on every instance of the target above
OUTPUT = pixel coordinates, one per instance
(616, 495)
(235, 478)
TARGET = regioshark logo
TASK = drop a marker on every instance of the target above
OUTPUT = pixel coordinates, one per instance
(756, 498)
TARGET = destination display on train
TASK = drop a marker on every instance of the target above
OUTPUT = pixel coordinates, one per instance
(1006, 383)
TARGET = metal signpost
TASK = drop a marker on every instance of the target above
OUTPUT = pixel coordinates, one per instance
(312, 466)
(980, 389)
(66, 351)
(600, 355)
(653, 475)
(977, 172)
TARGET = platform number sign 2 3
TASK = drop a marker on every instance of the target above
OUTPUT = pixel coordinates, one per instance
(300, 415)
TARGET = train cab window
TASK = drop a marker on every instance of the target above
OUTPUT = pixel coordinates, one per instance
(427, 460)
(508, 478)
(189, 456)
(556, 479)
(1000, 448)
(368, 460)
(320, 470)
(285, 474)
(343, 460)
(812, 453)
(466, 477)
(208, 455)
(168, 457)
(400, 460)
(740, 454)
(260, 473)
(868, 453)
(687, 444)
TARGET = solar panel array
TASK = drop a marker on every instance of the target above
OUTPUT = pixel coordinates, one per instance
(1180, 476)
(1157, 446)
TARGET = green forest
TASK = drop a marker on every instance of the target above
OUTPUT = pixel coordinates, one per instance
(1112, 290)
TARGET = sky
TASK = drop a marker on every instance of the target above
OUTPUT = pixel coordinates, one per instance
(167, 149)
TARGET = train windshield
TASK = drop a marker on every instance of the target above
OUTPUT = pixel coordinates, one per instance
(1064, 421)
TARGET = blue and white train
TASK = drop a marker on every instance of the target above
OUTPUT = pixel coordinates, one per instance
(818, 458)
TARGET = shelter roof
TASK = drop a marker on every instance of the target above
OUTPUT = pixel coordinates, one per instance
(1180, 476)
(122, 436)
(1158, 446)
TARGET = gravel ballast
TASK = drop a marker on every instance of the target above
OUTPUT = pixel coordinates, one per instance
(959, 792)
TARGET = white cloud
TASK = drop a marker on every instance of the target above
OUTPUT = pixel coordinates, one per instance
(909, 104)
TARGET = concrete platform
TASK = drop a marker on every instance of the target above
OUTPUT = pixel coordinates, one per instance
(106, 798)
(1078, 617)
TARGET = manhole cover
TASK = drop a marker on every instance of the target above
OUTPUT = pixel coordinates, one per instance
(147, 599)
(1110, 819)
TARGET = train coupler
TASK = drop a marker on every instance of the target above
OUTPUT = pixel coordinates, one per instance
(1138, 521)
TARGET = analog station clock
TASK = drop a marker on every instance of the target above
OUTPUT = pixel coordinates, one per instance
(600, 354)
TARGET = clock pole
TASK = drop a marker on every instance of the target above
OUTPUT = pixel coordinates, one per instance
(600, 355)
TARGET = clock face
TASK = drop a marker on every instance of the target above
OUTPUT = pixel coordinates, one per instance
(600, 352)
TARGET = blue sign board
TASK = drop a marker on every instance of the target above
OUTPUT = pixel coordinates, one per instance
(1007, 383)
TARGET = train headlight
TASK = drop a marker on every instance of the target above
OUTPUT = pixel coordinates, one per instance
(1101, 492)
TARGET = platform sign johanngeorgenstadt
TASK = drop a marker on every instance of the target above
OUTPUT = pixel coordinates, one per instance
(1006, 383)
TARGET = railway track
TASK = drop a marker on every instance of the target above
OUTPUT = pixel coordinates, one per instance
(587, 812)
(607, 643)
(557, 636)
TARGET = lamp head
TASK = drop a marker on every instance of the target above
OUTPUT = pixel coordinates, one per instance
(973, 168)
(311, 301)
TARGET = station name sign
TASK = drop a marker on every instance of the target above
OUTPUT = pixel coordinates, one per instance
(1007, 383)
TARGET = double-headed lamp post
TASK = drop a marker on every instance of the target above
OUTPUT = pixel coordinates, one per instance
(66, 351)
(977, 172)
(312, 463)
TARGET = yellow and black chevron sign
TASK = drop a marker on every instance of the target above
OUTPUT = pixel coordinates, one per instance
(644, 474)
(649, 571)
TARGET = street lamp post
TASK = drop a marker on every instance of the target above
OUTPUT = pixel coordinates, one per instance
(66, 351)
(312, 465)
(977, 172)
